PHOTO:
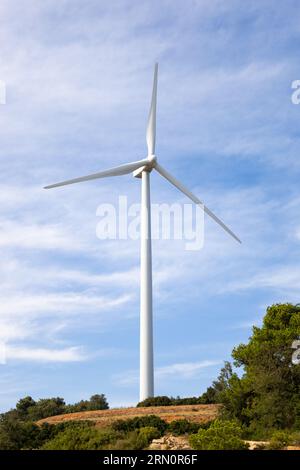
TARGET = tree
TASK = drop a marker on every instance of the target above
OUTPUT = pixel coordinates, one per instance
(221, 435)
(98, 402)
(46, 407)
(268, 394)
(16, 434)
(156, 401)
(215, 393)
(24, 404)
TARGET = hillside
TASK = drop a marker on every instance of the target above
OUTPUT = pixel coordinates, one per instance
(194, 413)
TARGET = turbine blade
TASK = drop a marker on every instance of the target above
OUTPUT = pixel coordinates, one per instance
(194, 198)
(151, 128)
(116, 171)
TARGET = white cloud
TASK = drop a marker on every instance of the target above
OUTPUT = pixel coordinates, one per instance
(58, 304)
(72, 354)
(19, 236)
(285, 279)
(184, 370)
(68, 113)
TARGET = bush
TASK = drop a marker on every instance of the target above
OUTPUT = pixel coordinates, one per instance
(78, 436)
(295, 438)
(140, 422)
(221, 435)
(17, 435)
(44, 408)
(96, 402)
(128, 441)
(279, 440)
(155, 401)
(266, 396)
(136, 440)
(28, 409)
(167, 401)
(146, 435)
(187, 401)
(182, 426)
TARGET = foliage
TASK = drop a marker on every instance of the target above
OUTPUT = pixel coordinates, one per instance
(155, 401)
(182, 426)
(136, 440)
(169, 401)
(16, 434)
(294, 438)
(81, 436)
(19, 431)
(46, 407)
(215, 393)
(221, 435)
(28, 409)
(146, 435)
(279, 440)
(263, 401)
(267, 396)
(24, 404)
(140, 422)
(96, 402)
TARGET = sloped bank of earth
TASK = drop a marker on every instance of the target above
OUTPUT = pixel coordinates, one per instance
(194, 413)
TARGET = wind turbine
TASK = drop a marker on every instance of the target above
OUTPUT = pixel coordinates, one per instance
(142, 169)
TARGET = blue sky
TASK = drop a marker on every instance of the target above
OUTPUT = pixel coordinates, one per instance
(78, 79)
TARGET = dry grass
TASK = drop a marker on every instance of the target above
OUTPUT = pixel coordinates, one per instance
(102, 418)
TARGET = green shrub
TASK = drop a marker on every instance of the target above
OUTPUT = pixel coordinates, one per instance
(28, 409)
(221, 435)
(155, 401)
(295, 438)
(140, 422)
(146, 435)
(266, 396)
(279, 440)
(169, 401)
(17, 435)
(44, 408)
(129, 441)
(136, 440)
(182, 426)
(86, 437)
(96, 402)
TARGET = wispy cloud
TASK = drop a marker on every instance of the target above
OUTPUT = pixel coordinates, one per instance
(185, 370)
(73, 354)
(78, 90)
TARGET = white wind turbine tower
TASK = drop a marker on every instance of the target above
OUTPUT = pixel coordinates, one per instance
(142, 169)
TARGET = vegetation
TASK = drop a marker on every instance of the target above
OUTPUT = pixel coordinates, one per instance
(279, 440)
(136, 440)
(96, 402)
(179, 427)
(141, 422)
(28, 409)
(169, 401)
(81, 436)
(267, 396)
(213, 394)
(221, 435)
(260, 402)
(18, 429)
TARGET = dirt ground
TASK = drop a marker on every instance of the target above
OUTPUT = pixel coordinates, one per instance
(194, 413)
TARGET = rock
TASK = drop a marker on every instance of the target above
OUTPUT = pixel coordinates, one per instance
(170, 442)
